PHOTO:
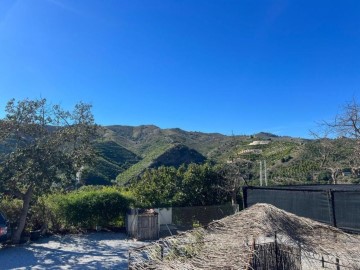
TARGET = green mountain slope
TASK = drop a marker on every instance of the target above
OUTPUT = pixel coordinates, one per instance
(111, 159)
(177, 155)
(157, 147)
(135, 170)
(168, 155)
(125, 152)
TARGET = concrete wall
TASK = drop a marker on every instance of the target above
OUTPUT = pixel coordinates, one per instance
(165, 215)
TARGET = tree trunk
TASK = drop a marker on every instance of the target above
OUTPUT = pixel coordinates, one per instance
(25, 209)
(233, 197)
(334, 174)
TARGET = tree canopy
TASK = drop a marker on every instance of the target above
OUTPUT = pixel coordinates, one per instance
(192, 185)
(45, 147)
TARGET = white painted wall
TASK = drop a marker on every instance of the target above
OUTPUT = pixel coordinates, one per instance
(165, 215)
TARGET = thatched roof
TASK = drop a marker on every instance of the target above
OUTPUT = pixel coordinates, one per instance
(228, 243)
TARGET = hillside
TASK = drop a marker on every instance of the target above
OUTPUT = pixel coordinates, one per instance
(111, 160)
(142, 139)
(124, 152)
(172, 147)
(288, 160)
(178, 155)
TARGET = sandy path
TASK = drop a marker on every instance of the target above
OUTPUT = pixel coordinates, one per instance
(89, 251)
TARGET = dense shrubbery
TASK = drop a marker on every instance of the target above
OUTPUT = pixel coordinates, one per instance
(87, 208)
(11, 208)
(36, 219)
(83, 209)
(106, 206)
(193, 185)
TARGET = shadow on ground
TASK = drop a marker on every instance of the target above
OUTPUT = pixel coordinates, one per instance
(89, 251)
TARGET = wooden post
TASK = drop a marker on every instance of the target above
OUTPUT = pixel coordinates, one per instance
(245, 204)
(322, 262)
(276, 252)
(251, 257)
(332, 208)
(337, 264)
(162, 251)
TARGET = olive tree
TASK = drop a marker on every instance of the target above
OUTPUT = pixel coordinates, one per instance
(43, 148)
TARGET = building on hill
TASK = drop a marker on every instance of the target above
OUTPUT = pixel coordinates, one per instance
(259, 143)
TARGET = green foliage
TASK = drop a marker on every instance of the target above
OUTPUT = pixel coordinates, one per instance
(101, 173)
(186, 186)
(88, 208)
(201, 186)
(134, 171)
(111, 160)
(157, 187)
(37, 216)
(324, 176)
(178, 155)
(279, 150)
(115, 153)
(11, 207)
(48, 146)
(300, 172)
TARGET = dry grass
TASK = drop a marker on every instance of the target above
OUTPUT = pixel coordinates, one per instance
(228, 243)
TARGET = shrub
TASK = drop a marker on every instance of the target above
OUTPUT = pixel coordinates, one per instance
(11, 208)
(88, 208)
(37, 218)
(324, 177)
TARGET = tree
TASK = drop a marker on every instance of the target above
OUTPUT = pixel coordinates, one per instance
(157, 187)
(332, 155)
(344, 151)
(191, 185)
(347, 123)
(200, 186)
(235, 175)
(45, 147)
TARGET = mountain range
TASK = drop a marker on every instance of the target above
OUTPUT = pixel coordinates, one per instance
(124, 152)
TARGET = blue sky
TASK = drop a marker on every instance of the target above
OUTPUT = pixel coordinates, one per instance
(228, 66)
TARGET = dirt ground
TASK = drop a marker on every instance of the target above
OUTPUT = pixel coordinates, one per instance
(88, 251)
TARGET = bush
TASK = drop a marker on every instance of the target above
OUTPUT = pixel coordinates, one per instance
(36, 218)
(11, 208)
(324, 176)
(88, 208)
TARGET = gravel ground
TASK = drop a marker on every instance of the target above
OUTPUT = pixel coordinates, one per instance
(88, 251)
